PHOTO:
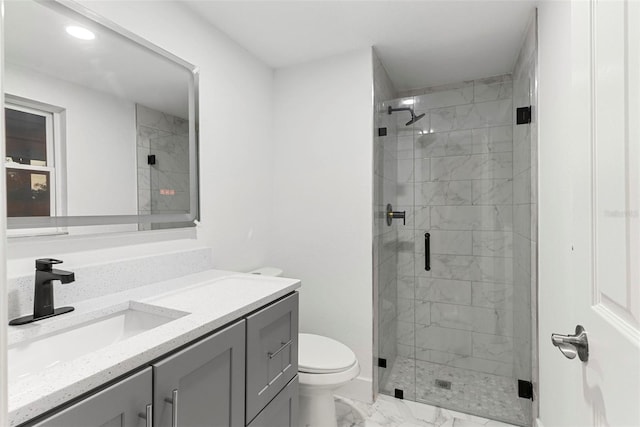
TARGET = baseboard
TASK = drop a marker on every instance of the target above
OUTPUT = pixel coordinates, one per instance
(360, 389)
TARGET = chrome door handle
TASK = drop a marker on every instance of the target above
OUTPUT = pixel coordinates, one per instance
(148, 415)
(284, 345)
(174, 407)
(572, 345)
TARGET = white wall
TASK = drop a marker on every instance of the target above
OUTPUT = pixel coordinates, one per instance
(323, 186)
(235, 125)
(555, 213)
(100, 142)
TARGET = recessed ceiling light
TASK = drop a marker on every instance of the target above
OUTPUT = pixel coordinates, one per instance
(80, 32)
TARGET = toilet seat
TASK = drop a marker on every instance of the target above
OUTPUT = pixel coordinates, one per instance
(322, 355)
(330, 381)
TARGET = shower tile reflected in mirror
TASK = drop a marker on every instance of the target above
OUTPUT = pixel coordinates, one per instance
(466, 175)
(163, 164)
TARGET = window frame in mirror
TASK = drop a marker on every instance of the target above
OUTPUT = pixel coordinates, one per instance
(84, 14)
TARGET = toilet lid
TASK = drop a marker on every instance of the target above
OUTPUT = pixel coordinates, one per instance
(318, 354)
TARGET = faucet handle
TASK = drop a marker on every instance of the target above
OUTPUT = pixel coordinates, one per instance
(44, 264)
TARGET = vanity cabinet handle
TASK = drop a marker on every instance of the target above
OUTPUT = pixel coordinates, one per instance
(174, 407)
(284, 345)
(148, 415)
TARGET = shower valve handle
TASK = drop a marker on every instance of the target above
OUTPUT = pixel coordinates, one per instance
(391, 215)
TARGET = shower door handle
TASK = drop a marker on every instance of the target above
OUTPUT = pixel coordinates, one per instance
(427, 251)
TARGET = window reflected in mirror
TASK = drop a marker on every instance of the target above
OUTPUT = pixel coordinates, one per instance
(29, 162)
(28, 193)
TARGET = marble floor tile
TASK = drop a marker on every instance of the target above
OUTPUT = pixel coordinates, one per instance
(471, 391)
(387, 411)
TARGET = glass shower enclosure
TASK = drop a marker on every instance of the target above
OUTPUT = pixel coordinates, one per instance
(456, 279)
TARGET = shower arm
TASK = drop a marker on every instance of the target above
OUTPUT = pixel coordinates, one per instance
(414, 118)
(391, 109)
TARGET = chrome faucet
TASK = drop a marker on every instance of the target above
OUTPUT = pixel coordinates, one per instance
(43, 292)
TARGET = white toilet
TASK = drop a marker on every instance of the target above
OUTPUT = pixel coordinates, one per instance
(324, 364)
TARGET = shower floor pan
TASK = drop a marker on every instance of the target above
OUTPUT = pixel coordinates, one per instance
(472, 392)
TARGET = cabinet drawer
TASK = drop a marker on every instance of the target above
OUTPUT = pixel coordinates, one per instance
(272, 352)
(281, 411)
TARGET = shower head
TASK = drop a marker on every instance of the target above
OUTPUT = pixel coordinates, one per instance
(414, 118)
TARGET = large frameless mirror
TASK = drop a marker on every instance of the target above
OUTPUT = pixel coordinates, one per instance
(100, 124)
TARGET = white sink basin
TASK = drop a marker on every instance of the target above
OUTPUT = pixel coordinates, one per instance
(43, 352)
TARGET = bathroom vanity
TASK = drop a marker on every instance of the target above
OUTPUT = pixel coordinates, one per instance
(212, 348)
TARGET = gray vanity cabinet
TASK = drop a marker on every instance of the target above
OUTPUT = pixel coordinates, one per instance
(203, 385)
(120, 405)
(272, 352)
(251, 364)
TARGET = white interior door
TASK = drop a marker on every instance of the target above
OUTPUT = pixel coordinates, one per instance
(602, 248)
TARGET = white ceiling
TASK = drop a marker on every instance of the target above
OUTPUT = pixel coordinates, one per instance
(421, 43)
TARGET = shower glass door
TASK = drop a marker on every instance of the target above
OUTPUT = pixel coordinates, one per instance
(460, 307)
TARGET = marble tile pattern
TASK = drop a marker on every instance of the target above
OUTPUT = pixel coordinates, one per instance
(457, 173)
(385, 238)
(389, 412)
(478, 393)
(166, 137)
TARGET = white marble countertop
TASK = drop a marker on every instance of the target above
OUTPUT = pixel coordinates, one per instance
(210, 300)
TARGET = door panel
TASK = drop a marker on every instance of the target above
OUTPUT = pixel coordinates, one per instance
(117, 406)
(208, 378)
(614, 124)
(589, 263)
(612, 377)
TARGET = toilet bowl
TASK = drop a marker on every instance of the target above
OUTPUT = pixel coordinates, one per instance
(324, 365)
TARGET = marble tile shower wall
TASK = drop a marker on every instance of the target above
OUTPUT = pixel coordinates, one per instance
(524, 214)
(385, 238)
(455, 180)
(163, 187)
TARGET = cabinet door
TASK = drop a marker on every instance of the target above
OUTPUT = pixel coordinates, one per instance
(281, 411)
(272, 352)
(119, 405)
(203, 384)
